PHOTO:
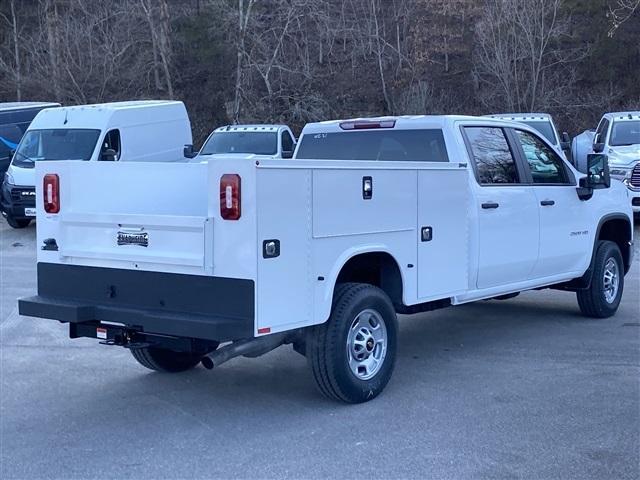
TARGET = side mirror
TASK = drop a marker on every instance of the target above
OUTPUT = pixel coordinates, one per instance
(598, 175)
(108, 155)
(287, 154)
(598, 147)
(189, 152)
(565, 142)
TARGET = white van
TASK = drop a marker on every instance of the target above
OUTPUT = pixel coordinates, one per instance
(140, 131)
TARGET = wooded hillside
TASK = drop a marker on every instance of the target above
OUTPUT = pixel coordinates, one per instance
(295, 61)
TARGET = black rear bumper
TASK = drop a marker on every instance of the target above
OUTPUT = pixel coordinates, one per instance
(192, 306)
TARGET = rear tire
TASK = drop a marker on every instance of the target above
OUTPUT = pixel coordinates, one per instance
(602, 298)
(164, 360)
(352, 355)
(17, 223)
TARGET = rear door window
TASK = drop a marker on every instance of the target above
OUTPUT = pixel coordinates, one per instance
(494, 161)
(384, 144)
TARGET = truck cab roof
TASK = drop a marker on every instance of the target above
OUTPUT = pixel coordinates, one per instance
(398, 122)
(251, 128)
(518, 117)
(622, 116)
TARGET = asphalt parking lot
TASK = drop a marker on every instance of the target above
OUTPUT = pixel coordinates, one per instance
(524, 388)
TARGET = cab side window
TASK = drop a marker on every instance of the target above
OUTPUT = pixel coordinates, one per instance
(493, 159)
(111, 144)
(545, 164)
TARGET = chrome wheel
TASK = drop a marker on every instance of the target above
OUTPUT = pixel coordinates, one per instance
(611, 280)
(367, 344)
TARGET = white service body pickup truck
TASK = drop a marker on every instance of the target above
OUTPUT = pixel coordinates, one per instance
(371, 218)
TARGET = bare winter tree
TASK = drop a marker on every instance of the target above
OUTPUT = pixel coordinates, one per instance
(86, 52)
(520, 56)
(621, 12)
(14, 68)
(157, 14)
(243, 13)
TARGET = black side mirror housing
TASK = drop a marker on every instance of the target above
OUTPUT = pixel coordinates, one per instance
(598, 147)
(189, 152)
(287, 154)
(108, 155)
(598, 175)
(565, 142)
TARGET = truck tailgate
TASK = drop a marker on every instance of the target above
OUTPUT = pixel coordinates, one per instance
(143, 216)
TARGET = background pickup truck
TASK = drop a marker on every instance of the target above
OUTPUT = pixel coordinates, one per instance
(374, 217)
(266, 141)
(618, 135)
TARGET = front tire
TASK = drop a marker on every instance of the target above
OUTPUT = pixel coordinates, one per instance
(17, 223)
(602, 298)
(352, 355)
(164, 360)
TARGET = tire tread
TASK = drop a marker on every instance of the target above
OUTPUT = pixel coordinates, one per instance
(322, 337)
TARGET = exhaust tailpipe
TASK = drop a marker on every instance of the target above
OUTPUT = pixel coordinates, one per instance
(251, 347)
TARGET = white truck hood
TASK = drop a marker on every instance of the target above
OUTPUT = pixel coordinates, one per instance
(24, 177)
(624, 156)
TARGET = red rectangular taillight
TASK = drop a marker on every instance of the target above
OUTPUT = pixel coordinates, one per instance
(230, 196)
(51, 193)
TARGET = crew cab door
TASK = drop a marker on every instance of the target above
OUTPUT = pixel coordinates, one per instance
(507, 210)
(565, 240)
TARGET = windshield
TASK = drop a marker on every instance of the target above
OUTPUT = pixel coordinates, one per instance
(259, 143)
(625, 133)
(55, 144)
(382, 144)
(544, 128)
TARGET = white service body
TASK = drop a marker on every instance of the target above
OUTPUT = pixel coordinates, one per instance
(315, 209)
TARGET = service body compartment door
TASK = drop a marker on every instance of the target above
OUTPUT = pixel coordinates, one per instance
(443, 216)
(285, 287)
(341, 206)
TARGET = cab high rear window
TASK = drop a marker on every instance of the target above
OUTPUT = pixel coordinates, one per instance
(379, 144)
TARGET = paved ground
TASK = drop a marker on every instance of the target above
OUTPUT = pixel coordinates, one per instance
(524, 388)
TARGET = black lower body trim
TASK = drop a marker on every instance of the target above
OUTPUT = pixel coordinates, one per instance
(194, 306)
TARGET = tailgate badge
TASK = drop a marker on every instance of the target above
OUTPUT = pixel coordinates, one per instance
(135, 237)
